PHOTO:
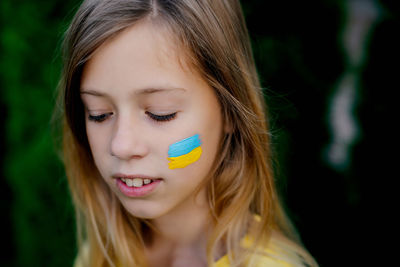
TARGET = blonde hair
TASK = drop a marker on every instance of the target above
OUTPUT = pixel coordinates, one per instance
(215, 39)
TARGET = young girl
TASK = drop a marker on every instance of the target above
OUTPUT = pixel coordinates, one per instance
(166, 145)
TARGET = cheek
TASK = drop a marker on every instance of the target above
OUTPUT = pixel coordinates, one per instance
(92, 138)
(199, 149)
(184, 152)
(97, 143)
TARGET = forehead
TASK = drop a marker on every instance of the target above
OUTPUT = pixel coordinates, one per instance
(141, 51)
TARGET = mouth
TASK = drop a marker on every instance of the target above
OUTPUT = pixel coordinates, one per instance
(136, 180)
(136, 185)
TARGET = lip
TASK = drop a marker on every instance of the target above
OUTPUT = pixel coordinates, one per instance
(136, 191)
(133, 176)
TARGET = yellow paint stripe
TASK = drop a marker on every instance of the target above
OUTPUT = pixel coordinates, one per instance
(185, 160)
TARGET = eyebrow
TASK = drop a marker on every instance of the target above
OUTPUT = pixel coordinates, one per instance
(145, 91)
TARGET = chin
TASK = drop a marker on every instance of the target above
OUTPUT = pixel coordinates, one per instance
(141, 210)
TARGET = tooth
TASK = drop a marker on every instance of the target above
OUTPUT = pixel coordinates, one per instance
(129, 182)
(146, 181)
(123, 179)
(137, 182)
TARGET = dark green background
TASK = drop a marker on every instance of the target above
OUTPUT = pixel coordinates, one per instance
(297, 44)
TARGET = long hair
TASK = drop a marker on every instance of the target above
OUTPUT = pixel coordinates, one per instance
(215, 40)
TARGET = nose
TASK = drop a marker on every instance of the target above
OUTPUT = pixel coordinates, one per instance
(128, 140)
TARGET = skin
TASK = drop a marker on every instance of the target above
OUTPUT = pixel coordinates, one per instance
(116, 82)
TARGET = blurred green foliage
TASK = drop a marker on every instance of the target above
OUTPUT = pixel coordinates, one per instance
(42, 215)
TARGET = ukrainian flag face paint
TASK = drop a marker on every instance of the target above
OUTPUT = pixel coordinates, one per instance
(184, 152)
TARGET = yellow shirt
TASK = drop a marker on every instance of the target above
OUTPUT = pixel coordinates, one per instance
(269, 259)
(276, 255)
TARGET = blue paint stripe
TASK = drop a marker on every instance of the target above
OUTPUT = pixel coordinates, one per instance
(184, 146)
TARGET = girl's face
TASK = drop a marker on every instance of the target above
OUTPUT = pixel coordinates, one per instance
(139, 100)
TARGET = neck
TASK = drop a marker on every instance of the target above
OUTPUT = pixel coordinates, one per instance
(186, 225)
(180, 237)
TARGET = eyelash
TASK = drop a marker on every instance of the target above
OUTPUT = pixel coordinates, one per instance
(161, 118)
(99, 118)
(158, 118)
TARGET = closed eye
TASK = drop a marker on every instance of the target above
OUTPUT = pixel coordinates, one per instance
(99, 118)
(161, 118)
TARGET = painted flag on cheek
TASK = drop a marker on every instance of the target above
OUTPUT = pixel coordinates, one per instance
(184, 152)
